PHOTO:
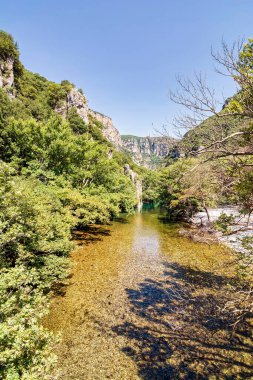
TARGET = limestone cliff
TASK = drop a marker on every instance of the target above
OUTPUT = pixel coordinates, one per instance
(74, 99)
(149, 151)
(7, 76)
(110, 132)
(6, 72)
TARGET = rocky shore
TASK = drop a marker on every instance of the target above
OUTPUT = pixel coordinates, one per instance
(202, 229)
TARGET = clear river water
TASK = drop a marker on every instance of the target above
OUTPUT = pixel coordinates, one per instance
(144, 303)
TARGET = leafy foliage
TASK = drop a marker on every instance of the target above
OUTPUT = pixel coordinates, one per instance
(35, 232)
(223, 222)
(55, 175)
(9, 49)
(173, 191)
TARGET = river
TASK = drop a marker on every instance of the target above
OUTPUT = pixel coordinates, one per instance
(143, 303)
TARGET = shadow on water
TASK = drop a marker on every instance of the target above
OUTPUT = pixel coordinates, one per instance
(177, 332)
(95, 233)
(121, 219)
(90, 234)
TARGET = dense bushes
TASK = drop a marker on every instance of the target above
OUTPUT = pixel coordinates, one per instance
(34, 242)
(9, 49)
(55, 175)
(52, 180)
(33, 220)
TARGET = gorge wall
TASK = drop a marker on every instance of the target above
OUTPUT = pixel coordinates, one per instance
(110, 132)
(144, 151)
(6, 72)
(74, 99)
(149, 151)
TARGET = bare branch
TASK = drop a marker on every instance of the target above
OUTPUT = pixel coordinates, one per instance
(219, 142)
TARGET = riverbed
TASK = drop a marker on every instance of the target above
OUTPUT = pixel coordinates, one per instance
(144, 303)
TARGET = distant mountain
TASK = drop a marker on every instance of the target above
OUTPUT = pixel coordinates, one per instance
(149, 151)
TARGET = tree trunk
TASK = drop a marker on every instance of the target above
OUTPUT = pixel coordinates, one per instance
(207, 213)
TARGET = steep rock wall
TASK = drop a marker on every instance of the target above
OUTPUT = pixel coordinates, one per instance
(110, 132)
(6, 72)
(149, 151)
(76, 100)
(7, 76)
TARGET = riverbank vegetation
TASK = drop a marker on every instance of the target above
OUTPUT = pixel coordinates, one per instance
(56, 174)
(216, 163)
(59, 173)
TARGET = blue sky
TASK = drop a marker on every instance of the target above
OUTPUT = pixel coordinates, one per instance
(125, 53)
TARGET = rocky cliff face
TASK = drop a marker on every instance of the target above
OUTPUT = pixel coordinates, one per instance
(6, 73)
(7, 76)
(149, 151)
(110, 131)
(76, 100)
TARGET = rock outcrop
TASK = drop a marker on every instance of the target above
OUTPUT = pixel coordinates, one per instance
(6, 72)
(149, 151)
(110, 132)
(75, 99)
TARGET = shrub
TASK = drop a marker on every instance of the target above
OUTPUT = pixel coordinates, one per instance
(223, 222)
(34, 242)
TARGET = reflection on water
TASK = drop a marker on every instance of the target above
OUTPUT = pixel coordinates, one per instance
(143, 304)
(146, 239)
